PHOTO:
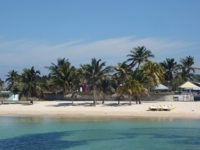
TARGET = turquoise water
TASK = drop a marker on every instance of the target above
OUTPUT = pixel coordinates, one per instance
(50, 133)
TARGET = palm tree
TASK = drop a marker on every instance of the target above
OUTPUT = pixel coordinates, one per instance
(106, 85)
(30, 79)
(153, 70)
(133, 88)
(62, 74)
(13, 80)
(170, 67)
(1, 84)
(47, 85)
(184, 75)
(138, 55)
(147, 75)
(122, 72)
(94, 72)
(187, 63)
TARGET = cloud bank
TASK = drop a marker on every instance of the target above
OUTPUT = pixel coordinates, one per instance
(21, 54)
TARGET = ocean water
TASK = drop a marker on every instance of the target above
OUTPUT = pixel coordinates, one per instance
(53, 133)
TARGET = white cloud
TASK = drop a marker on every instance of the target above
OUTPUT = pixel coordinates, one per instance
(22, 53)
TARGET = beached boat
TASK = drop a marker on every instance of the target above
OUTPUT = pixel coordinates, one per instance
(166, 108)
(152, 107)
(162, 107)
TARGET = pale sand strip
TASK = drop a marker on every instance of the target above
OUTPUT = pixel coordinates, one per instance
(107, 110)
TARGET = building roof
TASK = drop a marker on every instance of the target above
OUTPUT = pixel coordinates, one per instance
(161, 87)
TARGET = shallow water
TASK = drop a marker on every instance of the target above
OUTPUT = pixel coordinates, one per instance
(50, 133)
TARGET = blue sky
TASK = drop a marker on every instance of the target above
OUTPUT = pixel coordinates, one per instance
(38, 32)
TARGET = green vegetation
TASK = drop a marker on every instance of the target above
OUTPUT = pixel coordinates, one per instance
(94, 72)
(130, 78)
(1, 85)
(62, 74)
(138, 55)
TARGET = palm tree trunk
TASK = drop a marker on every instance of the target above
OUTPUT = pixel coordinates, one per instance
(94, 95)
(118, 100)
(73, 95)
(139, 98)
(138, 65)
(103, 99)
(130, 99)
(64, 89)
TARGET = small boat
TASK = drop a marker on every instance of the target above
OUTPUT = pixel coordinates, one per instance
(171, 107)
(162, 107)
(159, 107)
(166, 108)
(152, 107)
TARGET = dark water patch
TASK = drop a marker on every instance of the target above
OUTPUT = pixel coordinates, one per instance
(48, 141)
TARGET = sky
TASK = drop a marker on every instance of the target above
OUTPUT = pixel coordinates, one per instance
(38, 32)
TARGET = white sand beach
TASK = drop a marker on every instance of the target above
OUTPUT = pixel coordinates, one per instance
(109, 109)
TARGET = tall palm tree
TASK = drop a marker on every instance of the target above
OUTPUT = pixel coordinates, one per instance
(184, 75)
(94, 72)
(122, 73)
(62, 74)
(187, 63)
(170, 67)
(13, 81)
(138, 55)
(30, 79)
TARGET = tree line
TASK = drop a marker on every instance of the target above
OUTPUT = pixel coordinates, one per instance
(133, 77)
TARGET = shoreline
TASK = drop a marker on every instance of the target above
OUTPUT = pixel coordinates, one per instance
(80, 109)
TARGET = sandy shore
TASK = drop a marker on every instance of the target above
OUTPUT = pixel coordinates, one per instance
(109, 109)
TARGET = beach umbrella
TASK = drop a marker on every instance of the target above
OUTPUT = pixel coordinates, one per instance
(188, 85)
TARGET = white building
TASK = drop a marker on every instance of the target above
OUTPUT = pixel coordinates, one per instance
(8, 95)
